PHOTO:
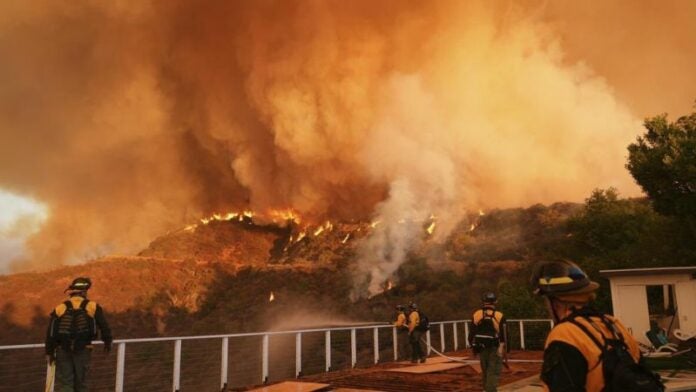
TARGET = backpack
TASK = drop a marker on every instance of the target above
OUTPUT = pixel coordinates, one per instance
(74, 329)
(423, 322)
(621, 372)
(487, 330)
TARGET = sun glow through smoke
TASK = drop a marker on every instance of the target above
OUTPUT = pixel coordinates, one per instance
(20, 217)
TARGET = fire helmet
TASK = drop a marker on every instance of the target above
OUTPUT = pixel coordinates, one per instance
(489, 297)
(413, 305)
(80, 284)
(561, 278)
(400, 308)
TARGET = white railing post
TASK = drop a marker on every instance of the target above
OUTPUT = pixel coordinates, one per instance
(177, 366)
(442, 337)
(395, 338)
(353, 353)
(466, 334)
(456, 338)
(298, 354)
(327, 354)
(224, 361)
(427, 339)
(551, 323)
(521, 335)
(375, 341)
(264, 359)
(120, 366)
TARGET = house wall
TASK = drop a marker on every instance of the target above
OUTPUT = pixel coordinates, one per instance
(630, 302)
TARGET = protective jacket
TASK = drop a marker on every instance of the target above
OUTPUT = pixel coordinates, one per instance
(413, 320)
(492, 337)
(401, 321)
(572, 360)
(95, 314)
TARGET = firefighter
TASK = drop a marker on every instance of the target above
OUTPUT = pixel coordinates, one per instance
(488, 338)
(401, 325)
(585, 344)
(72, 327)
(415, 332)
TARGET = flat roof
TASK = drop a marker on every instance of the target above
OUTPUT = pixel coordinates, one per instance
(647, 271)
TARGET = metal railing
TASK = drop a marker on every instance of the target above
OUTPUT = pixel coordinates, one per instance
(524, 334)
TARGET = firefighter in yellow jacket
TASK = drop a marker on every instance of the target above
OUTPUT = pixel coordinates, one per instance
(488, 338)
(415, 332)
(401, 325)
(72, 328)
(586, 350)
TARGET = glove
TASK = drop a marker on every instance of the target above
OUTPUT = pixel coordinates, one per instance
(51, 358)
(107, 347)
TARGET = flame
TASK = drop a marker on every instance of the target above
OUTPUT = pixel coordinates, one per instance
(472, 227)
(190, 227)
(481, 213)
(431, 228)
(301, 236)
(390, 285)
(271, 297)
(346, 238)
(375, 223)
(319, 231)
(284, 215)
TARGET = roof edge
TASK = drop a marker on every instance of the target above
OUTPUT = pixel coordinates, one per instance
(647, 271)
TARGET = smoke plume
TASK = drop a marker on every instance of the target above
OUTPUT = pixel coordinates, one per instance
(128, 119)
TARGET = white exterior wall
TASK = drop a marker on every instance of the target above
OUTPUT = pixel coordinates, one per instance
(630, 303)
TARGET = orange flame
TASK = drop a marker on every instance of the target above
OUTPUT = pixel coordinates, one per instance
(284, 215)
(375, 223)
(301, 236)
(346, 238)
(390, 285)
(481, 213)
(472, 227)
(431, 228)
(271, 297)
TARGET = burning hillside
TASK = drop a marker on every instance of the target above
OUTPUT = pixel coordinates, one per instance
(230, 274)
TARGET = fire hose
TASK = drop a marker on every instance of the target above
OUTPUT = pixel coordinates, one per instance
(468, 361)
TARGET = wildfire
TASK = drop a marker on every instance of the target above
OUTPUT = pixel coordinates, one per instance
(301, 236)
(346, 238)
(222, 217)
(431, 228)
(481, 213)
(328, 226)
(472, 227)
(271, 297)
(286, 215)
(190, 228)
(390, 285)
(375, 223)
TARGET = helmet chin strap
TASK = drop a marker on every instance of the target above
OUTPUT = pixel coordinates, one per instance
(552, 300)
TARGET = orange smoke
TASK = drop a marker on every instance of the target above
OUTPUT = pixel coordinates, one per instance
(129, 119)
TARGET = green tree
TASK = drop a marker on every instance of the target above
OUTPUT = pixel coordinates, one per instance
(663, 162)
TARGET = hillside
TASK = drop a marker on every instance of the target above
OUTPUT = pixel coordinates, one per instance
(218, 276)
